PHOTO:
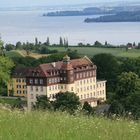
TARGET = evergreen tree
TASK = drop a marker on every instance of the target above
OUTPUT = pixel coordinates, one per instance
(48, 41)
(61, 42)
(36, 41)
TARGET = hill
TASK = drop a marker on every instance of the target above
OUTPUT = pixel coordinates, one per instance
(91, 51)
(133, 16)
(17, 125)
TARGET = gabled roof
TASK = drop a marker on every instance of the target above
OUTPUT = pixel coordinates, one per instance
(44, 69)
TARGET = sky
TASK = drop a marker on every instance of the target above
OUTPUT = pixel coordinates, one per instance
(19, 3)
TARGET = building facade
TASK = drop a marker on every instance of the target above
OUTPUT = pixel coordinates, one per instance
(17, 86)
(78, 76)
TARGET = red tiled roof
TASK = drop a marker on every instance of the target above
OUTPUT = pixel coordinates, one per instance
(55, 66)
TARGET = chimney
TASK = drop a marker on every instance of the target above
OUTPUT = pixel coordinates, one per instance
(54, 64)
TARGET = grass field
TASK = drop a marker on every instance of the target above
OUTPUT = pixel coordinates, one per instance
(91, 51)
(58, 126)
(22, 53)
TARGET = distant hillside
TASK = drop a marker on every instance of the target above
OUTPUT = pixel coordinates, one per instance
(86, 11)
(94, 11)
(133, 16)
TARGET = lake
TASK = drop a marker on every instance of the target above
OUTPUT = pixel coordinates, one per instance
(26, 25)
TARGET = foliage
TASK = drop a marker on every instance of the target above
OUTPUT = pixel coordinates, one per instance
(87, 109)
(18, 104)
(127, 83)
(107, 68)
(67, 101)
(43, 103)
(5, 68)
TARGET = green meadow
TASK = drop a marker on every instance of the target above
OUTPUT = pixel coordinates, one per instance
(39, 125)
(91, 51)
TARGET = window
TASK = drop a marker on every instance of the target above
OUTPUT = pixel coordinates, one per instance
(31, 81)
(72, 88)
(32, 96)
(18, 92)
(78, 90)
(84, 74)
(71, 72)
(41, 88)
(87, 74)
(77, 76)
(87, 95)
(80, 75)
(50, 81)
(55, 80)
(36, 89)
(24, 80)
(41, 81)
(24, 92)
(90, 73)
(56, 87)
(90, 94)
(91, 80)
(91, 87)
(31, 88)
(84, 88)
(50, 88)
(81, 96)
(64, 78)
(36, 81)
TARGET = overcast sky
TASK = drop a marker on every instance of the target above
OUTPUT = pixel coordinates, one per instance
(13, 3)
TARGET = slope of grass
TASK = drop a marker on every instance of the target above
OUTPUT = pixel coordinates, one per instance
(91, 51)
(13, 53)
(59, 126)
(22, 53)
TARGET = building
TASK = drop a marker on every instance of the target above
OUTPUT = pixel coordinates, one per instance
(78, 76)
(17, 85)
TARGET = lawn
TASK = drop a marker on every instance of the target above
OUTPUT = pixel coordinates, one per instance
(60, 126)
(91, 51)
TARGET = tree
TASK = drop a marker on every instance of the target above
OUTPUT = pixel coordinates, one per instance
(5, 69)
(43, 103)
(61, 42)
(108, 69)
(127, 84)
(9, 47)
(87, 109)
(36, 41)
(18, 45)
(48, 41)
(133, 105)
(98, 44)
(67, 101)
(116, 108)
(1, 47)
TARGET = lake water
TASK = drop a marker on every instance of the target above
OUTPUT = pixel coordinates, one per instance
(26, 25)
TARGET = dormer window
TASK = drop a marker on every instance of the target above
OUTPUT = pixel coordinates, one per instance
(31, 81)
